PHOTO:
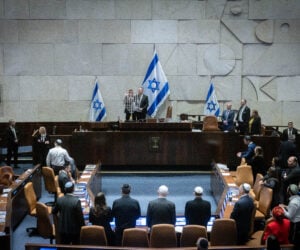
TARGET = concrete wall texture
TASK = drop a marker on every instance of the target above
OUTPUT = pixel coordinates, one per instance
(52, 50)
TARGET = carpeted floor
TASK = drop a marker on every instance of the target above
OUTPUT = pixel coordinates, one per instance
(144, 188)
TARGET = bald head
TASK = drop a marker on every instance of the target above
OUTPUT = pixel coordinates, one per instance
(163, 191)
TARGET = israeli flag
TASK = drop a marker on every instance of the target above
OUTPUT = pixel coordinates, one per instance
(211, 104)
(97, 108)
(155, 86)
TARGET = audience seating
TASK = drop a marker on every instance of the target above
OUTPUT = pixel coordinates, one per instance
(93, 235)
(223, 233)
(210, 123)
(59, 193)
(163, 235)
(31, 200)
(190, 235)
(50, 184)
(264, 203)
(6, 176)
(45, 227)
(135, 237)
(244, 175)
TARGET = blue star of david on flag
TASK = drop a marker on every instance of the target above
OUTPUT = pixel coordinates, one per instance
(97, 107)
(155, 85)
(211, 106)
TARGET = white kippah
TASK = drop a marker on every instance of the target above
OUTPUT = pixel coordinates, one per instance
(198, 190)
(246, 187)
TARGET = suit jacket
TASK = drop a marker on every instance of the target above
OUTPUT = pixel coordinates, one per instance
(249, 153)
(286, 149)
(160, 211)
(245, 114)
(242, 214)
(10, 137)
(285, 135)
(70, 217)
(144, 103)
(197, 212)
(126, 211)
(229, 119)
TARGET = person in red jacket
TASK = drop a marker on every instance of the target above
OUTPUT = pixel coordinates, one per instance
(279, 226)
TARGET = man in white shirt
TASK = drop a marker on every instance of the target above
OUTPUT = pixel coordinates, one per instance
(58, 157)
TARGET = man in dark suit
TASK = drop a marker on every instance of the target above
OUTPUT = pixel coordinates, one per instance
(126, 211)
(290, 133)
(141, 105)
(12, 143)
(243, 117)
(161, 210)
(249, 153)
(70, 216)
(242, 214)
(227, 118)
(197, 211)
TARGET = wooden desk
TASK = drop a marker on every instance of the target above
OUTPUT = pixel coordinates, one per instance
(13, 204)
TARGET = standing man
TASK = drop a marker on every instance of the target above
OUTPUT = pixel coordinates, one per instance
(129, 105)
(197, 211)
(242, 214)
(12, 143)
(249, 153)
(228, 118)
(126, 211)
(141, 103)
(243, 117)
(290, 133)
(292, 212)
(70, 216)
(58, 157)
(161, 210)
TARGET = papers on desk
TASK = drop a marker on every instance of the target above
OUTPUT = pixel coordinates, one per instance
(178, 229)
(85, 176)
(226, 174)
(231, 184)
(2, 216)
(4, 195)
(222, 166)
(6, 190)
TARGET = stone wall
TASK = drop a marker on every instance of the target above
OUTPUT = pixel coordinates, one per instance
(52, 50)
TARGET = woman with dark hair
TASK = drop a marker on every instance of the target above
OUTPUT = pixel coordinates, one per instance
(101, 215)
(255, 123)
(257, 162)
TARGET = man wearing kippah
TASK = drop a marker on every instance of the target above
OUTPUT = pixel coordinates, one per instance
(197, 211)
(126, 211)
(70, 217)
(242, 214)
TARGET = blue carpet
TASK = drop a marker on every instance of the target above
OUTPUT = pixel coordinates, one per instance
(144, 188)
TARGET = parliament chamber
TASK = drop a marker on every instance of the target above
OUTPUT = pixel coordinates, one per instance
(117, 146)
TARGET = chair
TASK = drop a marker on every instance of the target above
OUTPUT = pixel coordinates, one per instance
(50, 184)
(163, 235)
(223, 232)
(6, 176)
(244, 175)
(135, 237)
(264, 203)
(190, 235)
(31, 200)
(210, 123)
(151, 120)
(255, 191)
(45, 228)
(59, 193)
(93, 235)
